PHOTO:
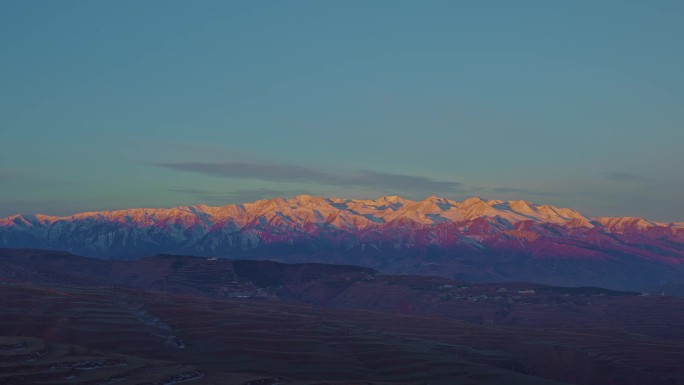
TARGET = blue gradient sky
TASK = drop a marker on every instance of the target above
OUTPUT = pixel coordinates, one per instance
(114, 104)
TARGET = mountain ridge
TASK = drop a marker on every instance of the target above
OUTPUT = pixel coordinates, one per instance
(470, 208)
(476, 239)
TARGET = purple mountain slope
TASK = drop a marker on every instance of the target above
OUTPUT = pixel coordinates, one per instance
(477, 239)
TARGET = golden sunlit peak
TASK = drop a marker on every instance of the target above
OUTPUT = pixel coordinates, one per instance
(392, 199)
(522, 205)
(306, 197)
(474, 200)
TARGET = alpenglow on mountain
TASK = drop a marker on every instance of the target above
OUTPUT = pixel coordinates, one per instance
(476, 239)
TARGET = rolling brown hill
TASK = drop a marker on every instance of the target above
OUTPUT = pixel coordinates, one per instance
(315, 324)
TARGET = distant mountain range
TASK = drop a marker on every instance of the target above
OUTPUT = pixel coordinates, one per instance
(476, 239)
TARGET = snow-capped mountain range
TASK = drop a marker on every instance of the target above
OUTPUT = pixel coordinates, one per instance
(475, 239)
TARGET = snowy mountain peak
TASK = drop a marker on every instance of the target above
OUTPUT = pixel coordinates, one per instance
(492, 239)
(625, 223)
(304, 209)
(474, 224)
(473, 201)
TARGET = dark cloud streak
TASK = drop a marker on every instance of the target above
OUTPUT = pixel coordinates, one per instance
(515, 190)
(234, 196)
(278, 172)
(8, 174)
(624, 176)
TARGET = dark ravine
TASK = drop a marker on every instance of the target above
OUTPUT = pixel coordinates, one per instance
(41, 362)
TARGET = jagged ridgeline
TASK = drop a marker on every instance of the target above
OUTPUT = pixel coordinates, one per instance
(476, 239)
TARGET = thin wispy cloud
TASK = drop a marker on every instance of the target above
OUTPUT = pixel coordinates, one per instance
(279, 172)
(7, 174)
(205, 196)
(250, 195)
(171, 147)
(219, 198)
(29, 206)
(624, 176)
(515, 190)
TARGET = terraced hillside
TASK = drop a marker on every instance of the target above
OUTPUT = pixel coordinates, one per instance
(240, 341)
(309, 282)
(30, 360)
(257, 341)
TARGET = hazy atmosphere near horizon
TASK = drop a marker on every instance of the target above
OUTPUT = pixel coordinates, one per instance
(110, 105)
(311, 192)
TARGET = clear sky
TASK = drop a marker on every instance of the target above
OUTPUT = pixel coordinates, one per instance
(115, 104)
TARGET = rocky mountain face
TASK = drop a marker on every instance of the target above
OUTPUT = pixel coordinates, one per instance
(476, 239)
